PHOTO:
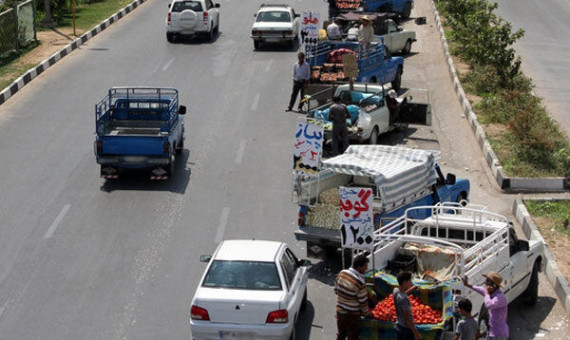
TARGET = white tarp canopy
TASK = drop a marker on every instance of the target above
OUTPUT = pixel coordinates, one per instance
(398, 172)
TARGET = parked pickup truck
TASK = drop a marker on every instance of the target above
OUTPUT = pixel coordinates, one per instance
(375, 65)
(385, 30)
(402, 7)
(369, 110)
(139, 127)
(452, 243)
(400, 178)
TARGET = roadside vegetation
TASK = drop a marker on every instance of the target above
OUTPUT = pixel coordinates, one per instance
(88, 14)
(553, 216)
(522, 134)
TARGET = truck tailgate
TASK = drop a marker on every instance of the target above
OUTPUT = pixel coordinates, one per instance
(133, 145)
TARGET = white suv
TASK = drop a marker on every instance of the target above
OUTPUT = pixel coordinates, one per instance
(191, 17)
(275, 23)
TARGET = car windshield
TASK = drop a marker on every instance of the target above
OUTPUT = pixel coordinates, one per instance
(274, 16)
(180, 6)
(243, 275)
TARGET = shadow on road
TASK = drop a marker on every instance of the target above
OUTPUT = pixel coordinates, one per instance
(305, 323)
(524, 321)
(140, 179)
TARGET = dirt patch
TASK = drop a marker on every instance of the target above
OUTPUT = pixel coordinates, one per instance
(557, 243)
(461, 67)
(51, 41)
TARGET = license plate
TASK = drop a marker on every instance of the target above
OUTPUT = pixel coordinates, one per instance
(227, 335)
(134, 159)
(273, 39)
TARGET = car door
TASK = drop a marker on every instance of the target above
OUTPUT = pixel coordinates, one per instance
(394, 37)
(296, 281)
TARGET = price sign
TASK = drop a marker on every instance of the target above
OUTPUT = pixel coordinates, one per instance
(308, 148)
(350, 65)
(356, 218)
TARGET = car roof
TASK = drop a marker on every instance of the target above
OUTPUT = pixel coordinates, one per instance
(274, 9)
(248, 250)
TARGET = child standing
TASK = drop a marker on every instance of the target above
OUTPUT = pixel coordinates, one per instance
(467, 329)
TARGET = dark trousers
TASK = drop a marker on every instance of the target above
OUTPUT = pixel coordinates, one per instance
(297, 86)
(339, 138)
(403, 333)
(348, 325)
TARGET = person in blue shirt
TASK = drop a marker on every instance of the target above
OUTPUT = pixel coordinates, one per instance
(301, 75)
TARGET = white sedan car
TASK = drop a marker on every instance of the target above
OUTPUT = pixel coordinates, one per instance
(275, 23)
(251, 289)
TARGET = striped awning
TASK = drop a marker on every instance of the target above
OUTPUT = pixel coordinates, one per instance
(398, 172)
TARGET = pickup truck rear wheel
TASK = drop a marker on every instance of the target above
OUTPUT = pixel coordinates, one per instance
(398, 80)
(373, 140)
(407, 48)
(407, 11)
(171, 166)
(256, 44)
(170, 37)
(531, 292)
(304, 301)
(210, 34)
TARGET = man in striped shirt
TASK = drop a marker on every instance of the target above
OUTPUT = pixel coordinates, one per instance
(352, 299)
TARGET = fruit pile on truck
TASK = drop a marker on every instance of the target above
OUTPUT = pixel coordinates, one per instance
(139, 128)
(453, 242)
(375, 64)
(400, 178)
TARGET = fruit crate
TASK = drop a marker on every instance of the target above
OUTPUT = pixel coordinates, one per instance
(435, 295)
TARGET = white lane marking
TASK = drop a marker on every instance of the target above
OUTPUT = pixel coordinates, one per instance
(167, 65)
(268, 67)
(255, 102)
(222, 226)
(57, 221)
(241, 149)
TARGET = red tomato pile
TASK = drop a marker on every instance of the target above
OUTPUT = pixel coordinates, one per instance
(385, 310)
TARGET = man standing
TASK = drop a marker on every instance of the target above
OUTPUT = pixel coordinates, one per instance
(351, 299)
(496, 304)
(301, 75)
(366, 32)
(333, 31)
(338, 114)
(405, 328)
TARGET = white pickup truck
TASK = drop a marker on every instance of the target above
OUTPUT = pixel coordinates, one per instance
(370, 114)
(396, 38)
(457, 241)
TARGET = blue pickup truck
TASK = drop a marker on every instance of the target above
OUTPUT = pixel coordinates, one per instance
(401, 7)
(139, 128)
(375, 65)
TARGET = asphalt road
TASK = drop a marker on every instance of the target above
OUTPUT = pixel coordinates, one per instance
(544, 50)
(84, 258)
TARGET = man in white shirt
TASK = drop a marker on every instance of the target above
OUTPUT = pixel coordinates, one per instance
(353, 33)
(366, 32)
(333, 31)
(301, 75)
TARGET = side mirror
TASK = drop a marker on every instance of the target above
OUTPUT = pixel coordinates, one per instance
(217, 5)
(182, 110)
(297, 15)
(168, 5)
(450, 179)
(205, 258)
(522, 245)
(254, 15)
(305, 263)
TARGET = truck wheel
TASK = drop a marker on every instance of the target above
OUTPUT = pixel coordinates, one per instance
(291, 44)
(407, 11)
(373, 140)
(170, 37)
(180, 146)
(531, 292)
(256, 44)
(171, 166)
(210, 34)
(217, 29)
(462, 198)
(398, 81)
(407, 48)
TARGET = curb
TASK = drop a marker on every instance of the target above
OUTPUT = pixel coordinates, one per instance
(555, 277)
(505, 182)
(27, 77)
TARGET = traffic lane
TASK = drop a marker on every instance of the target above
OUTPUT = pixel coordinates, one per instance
(544, 50)
(16, 291)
